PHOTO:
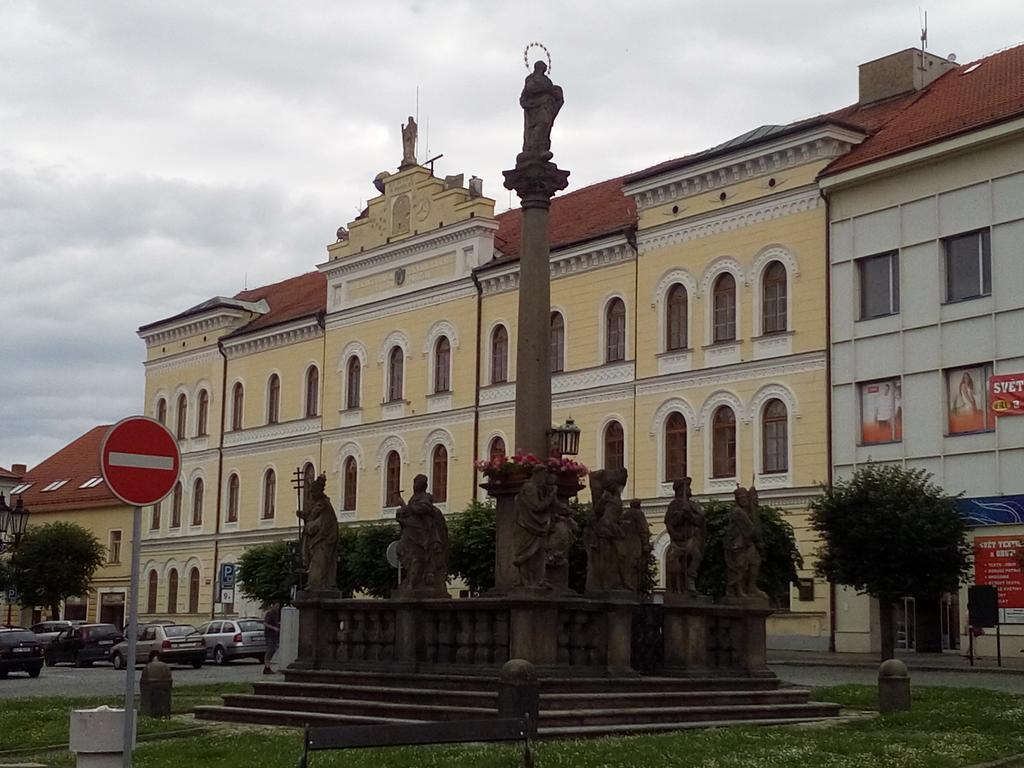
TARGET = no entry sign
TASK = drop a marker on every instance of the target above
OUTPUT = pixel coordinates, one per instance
(140, 461)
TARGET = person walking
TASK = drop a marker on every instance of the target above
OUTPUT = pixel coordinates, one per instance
(272, 633)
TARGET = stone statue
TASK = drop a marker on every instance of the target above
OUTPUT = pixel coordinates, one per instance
(541, 101)
(320, 538)
(636, 546)
(742, 560)
(409, 132)
(604, 536)
(423, 544)
(687, 530)
(561, 535)
(534, 505)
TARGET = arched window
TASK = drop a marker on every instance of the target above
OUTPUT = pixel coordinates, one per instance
(443, 365)
(237, 401)
(724, 308)
(197, 501)
(676, 306)
(176, 506)
(172, 591)
(348, 499)
(353, 373)
(312, 392)
(773, 299)
(203, 413)
(234, 487)
(614, 446)
(392, 479)
(775, 437)
(273, 399)
(439, 474)
(161, 411)
(181, 417)
(396, 373)
(154, 521)
(269, 495)
(557, 342)
(308, 478)
(497, 448)
(675, 447)
(615, 331)
(499, 355)
(723, 443)
(193, 591)
(151, 592)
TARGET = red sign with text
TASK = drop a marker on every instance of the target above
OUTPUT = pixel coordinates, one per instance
(1006, 394)
(997, 562)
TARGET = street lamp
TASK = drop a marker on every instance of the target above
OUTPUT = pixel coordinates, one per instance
(13, 523)
(565, 439)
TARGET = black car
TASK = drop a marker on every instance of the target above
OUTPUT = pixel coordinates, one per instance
(84, 644)
(20, 651)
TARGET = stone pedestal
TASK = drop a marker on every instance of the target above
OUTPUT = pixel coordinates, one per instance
(155, 689)
(504, 495)
(318, 629)
(685, 635)
(97, 736)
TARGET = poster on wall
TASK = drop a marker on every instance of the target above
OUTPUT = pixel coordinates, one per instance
(997, 562)
(881, 412)
(967, 399)
(1006, 394)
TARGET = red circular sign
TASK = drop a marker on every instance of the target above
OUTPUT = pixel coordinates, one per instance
(140, 460)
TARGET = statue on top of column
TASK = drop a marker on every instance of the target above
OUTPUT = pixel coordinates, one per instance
(541, 101)
(422, 544)
(320, 538)
(409, 133)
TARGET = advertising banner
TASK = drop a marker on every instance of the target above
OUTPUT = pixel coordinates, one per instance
(881, 412)
(1006, 394)
(997, 562)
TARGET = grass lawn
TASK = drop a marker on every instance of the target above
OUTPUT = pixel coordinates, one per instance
(946, 728)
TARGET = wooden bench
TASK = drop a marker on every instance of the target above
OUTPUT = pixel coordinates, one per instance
(405, 735)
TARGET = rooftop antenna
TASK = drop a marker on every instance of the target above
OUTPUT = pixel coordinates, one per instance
(924, 30)
(245, 281)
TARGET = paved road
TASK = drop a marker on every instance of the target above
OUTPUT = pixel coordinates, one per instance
(103, 680)
(813, 676)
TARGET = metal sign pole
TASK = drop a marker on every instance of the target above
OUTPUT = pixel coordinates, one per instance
(132, 631)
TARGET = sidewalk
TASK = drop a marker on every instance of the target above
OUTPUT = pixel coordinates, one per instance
(928, 662)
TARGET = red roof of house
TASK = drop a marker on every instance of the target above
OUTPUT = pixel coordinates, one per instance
(77, 463)
(584, 214)
(979, 94)
(291, 299)
(8, 475)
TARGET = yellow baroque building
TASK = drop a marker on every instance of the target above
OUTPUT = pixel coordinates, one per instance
(689, 338)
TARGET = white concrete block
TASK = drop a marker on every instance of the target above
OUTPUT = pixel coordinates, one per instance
(920, 290)
(841, 241)
(920, 221)
(1008, 198)
(877, 232)
(96, 736)
(962, 210)
(288, 651)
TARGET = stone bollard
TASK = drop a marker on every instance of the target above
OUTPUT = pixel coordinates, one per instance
(893, 687)
(519, 692)
(155, 689)
(288, 645)
(97, 737)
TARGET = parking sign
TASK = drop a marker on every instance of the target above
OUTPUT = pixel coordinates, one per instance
(227, 575)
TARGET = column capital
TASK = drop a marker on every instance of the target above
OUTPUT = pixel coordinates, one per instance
(536, 179)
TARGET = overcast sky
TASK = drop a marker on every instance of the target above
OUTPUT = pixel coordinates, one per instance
(154, 154)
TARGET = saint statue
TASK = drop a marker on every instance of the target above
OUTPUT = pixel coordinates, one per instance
(636, 546)
(541, 100)
(423, 543)
(604, 535)
(561, 535)
(534, 505)
(408, 144)
(320, 538)
(742, 559)
(687, 530)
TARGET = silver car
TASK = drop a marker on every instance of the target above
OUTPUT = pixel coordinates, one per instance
(46, 631)
(230, 639)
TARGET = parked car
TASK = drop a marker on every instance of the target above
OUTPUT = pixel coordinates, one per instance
(171, 643)
(46, 631)
(20, 651)
(83, 644)
(234, 639)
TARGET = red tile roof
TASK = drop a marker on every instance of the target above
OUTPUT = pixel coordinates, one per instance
(77, 462)
(584, 214)
(8, 475)
(979, 94)
(291, 299)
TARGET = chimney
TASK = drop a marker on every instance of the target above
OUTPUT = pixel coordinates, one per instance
(898, 73)
(476, 187)
(19, 470)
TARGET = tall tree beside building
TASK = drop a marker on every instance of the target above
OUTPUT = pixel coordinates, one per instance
(891, 532)
(54, 562)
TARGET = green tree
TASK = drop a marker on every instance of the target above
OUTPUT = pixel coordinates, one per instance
(890, 532)
(54, 562)
(780, 557)
(471, 552)
(370, 571)
(266, 572)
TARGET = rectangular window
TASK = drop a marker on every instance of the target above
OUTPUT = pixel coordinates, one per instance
(114, 548)
(967, 400)
(881, 412)
(879, 285)
(968, 266)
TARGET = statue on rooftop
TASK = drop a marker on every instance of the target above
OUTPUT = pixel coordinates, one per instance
(409, 132)
(320, 538)
(541, 101)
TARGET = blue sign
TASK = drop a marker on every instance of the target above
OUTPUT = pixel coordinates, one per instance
(227, 575)
(992, 510)
(12, 596)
